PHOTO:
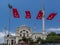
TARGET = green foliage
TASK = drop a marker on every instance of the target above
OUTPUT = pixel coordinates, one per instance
(5, 44)
(38, 40)
(30, 40)
(25, 39)
(53, 38)
(52, 34)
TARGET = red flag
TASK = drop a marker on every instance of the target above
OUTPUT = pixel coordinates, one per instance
(28, 15)
(15, 13)
(51, 16)
(40, 15)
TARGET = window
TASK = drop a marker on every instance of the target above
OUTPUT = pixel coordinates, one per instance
(20, 35)
(23, 34)
(11, 42)
(35, 37)
(20, 31)
(26, 31)
(23, 30)
(7, 41)
(27, 35)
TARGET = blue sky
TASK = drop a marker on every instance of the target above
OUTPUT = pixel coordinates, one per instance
(33, 6)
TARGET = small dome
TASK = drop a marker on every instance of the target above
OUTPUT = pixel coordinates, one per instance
(24, 27)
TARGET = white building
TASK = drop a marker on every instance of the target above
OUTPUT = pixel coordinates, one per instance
(23, 31)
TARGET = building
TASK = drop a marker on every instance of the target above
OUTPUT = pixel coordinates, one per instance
(23, 31)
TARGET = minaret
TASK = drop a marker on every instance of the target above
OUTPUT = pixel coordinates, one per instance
(43, 21)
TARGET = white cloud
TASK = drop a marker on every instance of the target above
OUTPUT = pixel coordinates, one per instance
(2, 34)
(1, 37)
(53, 29)
(12, 34)
(57, 30)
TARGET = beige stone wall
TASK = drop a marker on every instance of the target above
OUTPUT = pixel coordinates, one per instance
(24, 31)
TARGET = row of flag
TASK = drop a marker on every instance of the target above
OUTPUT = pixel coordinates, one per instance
(28, 14)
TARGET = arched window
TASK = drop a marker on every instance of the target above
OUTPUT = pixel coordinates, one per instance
(26, 31)
(20, 34)
(23, 34)
(11, 42)
(27, 35)
(23, 30)
(7, 41)
(20, 31)
(35, 37)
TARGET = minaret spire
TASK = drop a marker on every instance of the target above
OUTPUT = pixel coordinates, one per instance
(43, 21)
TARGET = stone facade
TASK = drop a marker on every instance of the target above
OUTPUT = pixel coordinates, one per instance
(23, 31)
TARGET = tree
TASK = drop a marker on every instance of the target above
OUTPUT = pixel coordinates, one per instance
(51, 34)
(38, 40)
(30, 40)
(25, 39)
(53, 38)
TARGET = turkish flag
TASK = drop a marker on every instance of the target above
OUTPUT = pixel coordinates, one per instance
(28, 15)
(40, 15)
(15, 13)
(51, 16)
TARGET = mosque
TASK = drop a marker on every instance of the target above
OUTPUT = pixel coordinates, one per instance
(23, 31)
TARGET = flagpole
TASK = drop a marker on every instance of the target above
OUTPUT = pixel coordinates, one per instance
(9, 18)
(8, 22)
(4, 34)
(9, 25)
(10, 7)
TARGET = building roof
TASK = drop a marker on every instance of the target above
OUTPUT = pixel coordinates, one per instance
(24, 26)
